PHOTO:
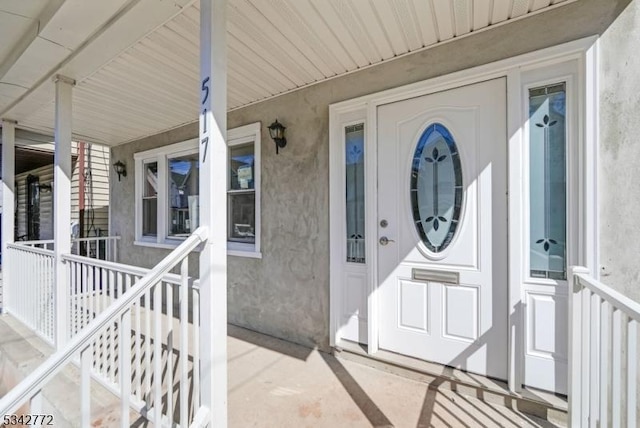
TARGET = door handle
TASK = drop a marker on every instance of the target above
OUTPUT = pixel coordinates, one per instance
(384, 240)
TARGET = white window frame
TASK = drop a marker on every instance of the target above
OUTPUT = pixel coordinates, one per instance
(241, 135)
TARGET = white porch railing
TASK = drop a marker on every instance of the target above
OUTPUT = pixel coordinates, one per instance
(28, 287)
(95, 285)
(142, 366)
(603, 357)
(95, 247)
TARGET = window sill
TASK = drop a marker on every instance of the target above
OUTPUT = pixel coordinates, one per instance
(171, 245)
(247, 254)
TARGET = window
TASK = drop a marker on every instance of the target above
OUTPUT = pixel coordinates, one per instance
(243, 194)
(167, 196)
(547, 181)
(354, 192)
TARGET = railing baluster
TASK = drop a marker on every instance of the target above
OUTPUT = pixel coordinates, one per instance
(35, 403)
(616, 358)
(605, 354)
(138, 356)
(196, 350)
(85, 386)
(170, 378)
(147, 347)
(586, 322)
(125, 368)
(157, 354)
(632, 372)
(103, 337)
(184, 342)
(112, 329)
(594, 353)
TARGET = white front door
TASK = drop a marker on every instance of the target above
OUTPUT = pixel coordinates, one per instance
(442, 227)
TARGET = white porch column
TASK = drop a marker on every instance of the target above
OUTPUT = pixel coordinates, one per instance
(62, 204)
(8, 195)
(213, 208)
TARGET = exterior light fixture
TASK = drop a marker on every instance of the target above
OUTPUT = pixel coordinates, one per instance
(276, 130)
(120, 168)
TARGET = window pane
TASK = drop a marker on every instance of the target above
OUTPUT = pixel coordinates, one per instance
(150, 200)
(184, 175)
(150, 217)
(436, 187)
(241, 163)
(242, 221)
(354, 156)
(547, 176)
(151, 179)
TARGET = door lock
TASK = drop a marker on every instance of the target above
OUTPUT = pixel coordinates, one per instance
(384, 223)
(384, 240)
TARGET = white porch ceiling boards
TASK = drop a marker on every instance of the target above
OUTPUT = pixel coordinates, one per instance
(151, 83)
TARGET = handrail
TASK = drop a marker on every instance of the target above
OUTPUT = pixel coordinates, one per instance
(33, 383)
(96, 238)
(34, 250)
(171, 278)
(630, 307)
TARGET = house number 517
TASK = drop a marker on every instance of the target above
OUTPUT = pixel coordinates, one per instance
(205, 138)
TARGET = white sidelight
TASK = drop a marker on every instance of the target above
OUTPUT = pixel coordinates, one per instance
(62, 203)
(213, 209)
(8, 189)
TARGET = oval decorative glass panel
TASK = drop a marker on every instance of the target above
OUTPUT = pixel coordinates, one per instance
(436, 187)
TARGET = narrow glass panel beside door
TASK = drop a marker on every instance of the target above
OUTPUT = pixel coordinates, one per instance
(354, 158)
(547, 182)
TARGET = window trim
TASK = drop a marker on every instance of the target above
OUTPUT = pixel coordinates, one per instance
(241, 135)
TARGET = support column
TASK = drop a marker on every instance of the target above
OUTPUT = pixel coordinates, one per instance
(8, 198)
(213, 209)
(62, 204)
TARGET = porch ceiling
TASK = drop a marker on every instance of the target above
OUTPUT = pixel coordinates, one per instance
(136, 61)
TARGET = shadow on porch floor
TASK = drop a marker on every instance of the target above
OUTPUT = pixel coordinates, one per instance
(273, 383)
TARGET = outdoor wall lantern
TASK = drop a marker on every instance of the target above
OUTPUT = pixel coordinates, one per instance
(120, 168)
(276, 130)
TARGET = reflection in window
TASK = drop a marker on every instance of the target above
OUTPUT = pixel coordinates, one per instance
(547, 178)
(242, 196)
(150, 200)
(184, 176)
(354, 157)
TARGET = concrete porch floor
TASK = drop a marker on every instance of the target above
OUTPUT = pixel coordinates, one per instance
(273, 383)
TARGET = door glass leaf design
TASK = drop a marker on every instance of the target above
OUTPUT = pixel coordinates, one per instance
(547, 182)
(436, 187)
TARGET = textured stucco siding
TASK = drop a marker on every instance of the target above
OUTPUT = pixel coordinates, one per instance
(620, 153)
(286, 293)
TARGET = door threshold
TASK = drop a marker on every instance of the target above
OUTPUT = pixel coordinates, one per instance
(543, 404)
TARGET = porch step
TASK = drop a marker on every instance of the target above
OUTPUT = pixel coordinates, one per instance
(541, 404)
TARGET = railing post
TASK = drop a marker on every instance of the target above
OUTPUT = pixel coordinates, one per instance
(62, 204)
(8, 199)
(575, 346)
(213, 208)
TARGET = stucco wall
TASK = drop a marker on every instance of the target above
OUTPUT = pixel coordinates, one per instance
(286, 293)
(620, 153)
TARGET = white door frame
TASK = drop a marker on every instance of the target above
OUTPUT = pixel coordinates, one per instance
(584, 162)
